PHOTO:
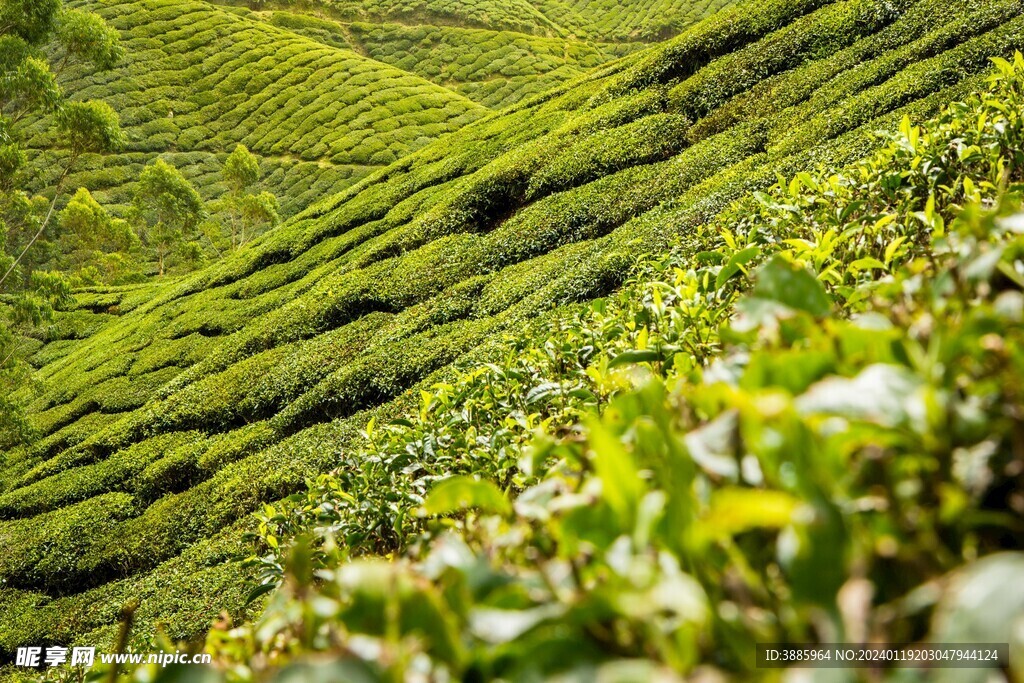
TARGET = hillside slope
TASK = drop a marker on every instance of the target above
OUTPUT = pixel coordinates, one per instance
(199, 78)
(495, 68)
(494, 53)
(191, 403)
(645, 20)
(604, 20)
(656, 481)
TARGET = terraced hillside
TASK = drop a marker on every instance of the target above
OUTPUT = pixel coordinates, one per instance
(202, 76)
(494, 68)
(630, 20)
(198, 79)
(495, 53)
(184, 406)
(645, 20)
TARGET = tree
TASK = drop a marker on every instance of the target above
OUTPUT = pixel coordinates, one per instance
(85, 37)
(241, 170)
(84, 127)
(169, 208)
(247, 211)
(32, 33)
(28, 87)
(98, 246)
(258, 211)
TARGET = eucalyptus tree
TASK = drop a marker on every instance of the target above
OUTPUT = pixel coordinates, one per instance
(38, 40)
(99, 248)
(247, 210)
(169, 209)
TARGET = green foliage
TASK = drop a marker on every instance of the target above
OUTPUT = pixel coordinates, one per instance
(28, 86)
(170, 209)
(14, 425)
(283, 351)
(29, 93)
(86, 37)
(50, 545)
(241, 170)
(29, 20)
(787, 430)
(247, 212)
(89, 127)
(100, 247)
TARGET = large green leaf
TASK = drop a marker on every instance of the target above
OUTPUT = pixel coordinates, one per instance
(463, 493)
(620, 480)
(794, 287)
(736, 510)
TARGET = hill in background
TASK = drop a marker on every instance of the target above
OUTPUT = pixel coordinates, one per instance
(199, 78)
(172, 411)
(495, 68)
(602, 20)
(495, 53)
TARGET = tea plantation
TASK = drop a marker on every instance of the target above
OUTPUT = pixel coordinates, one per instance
(198, 79)
(744, 444)
(643, 20)
(496, 69)
(201, 77)
(494, 53)
(630, 20)
(425, 321)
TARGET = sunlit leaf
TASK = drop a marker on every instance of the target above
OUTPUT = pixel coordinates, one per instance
(735, 264)
(620, 482)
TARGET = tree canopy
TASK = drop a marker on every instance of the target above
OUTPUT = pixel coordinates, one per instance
(31, 33)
